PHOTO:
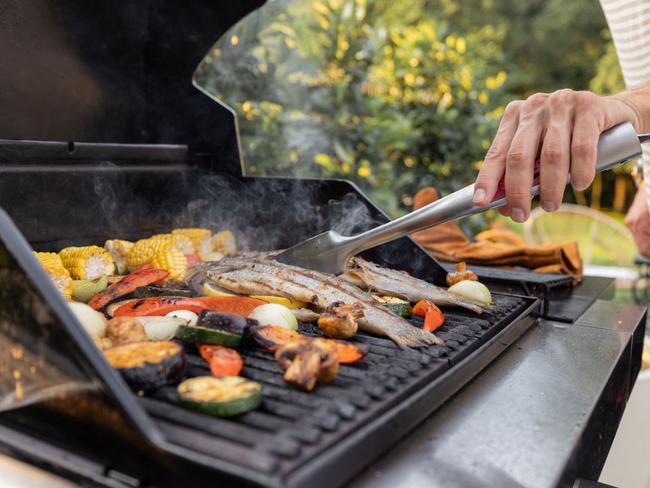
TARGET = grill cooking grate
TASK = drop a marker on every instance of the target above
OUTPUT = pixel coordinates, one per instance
(293, 426)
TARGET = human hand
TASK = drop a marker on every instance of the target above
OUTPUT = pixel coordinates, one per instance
(638, 221)
(562, 129)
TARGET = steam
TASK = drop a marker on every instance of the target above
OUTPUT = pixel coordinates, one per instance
(264, 213)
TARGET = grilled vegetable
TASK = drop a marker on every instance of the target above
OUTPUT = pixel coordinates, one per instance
(223, 329)
(287, 302)
(271, 338)
(92, 321)
(187, 316)
(224, 242)
(125, 330)
(306, 362)
(212, 256)
(84, 290)
(223, 361)
(110, 309)
(396, 305)
(88, 262)
(53, 266)
(274, 314)
(160, 328)
(192, 260)
(433, 317)
(305, 315)
(461, 274)
(180, 242)
(157, 291)
(148, 365)
(339, 320)
(127, 285)
(171, 260)
(212, 290)
(164, 305)
(144, 250)
(102, 343)
(119, 251)
(201, 239)
(223, 397)
(473, 291)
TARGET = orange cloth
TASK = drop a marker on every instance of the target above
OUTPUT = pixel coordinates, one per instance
(501, 248)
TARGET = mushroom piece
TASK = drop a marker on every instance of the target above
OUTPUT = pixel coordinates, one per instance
(339, 320)
(306, 362)
(125, 330)
(461, 274)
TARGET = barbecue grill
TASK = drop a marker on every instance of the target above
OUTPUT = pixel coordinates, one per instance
(104, 136)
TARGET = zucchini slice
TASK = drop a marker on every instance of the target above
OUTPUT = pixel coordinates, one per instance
(148, 365)
(223, 397)
(402, 309)
(156, 291)
(206, 335)
(225, 329)
(396, 305)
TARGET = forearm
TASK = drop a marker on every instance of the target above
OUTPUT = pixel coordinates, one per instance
(638, 100)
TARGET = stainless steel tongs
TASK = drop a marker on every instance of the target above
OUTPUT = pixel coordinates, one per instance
(330, 251)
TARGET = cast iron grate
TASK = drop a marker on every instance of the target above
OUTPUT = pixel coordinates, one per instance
(292, 426)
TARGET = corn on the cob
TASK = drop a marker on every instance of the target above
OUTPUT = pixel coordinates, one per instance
(88, 262)
(53, 266)
(201, 239)
(170, 259)
(181, 242)
(224, 242)
(144, 249)
(119, 250)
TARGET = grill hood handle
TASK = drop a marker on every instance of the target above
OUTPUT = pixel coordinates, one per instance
(330, 251)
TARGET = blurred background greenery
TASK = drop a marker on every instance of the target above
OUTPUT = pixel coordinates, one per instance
(397, 95)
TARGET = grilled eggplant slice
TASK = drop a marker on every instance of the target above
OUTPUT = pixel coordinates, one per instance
(225, 329)
(148, 365)
(223, 397)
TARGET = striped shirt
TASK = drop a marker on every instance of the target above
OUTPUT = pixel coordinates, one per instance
(629, 23)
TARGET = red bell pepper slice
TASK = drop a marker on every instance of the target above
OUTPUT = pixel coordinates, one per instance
(127, 285)
(433, 317)
(223, 361)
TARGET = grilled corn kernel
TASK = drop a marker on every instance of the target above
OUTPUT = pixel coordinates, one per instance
(53, 266)
(144, 249)
(172, 260)
(88, 262)
(224, 242)
(201, 239)
(119, 250)
(181, 242)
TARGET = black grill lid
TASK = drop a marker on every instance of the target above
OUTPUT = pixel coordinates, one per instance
(118, 72)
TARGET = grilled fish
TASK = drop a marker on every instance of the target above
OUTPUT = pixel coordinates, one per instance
(369, 276)
(251, 276)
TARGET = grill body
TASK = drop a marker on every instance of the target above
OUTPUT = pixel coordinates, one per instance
(296, 438)
(102, 135)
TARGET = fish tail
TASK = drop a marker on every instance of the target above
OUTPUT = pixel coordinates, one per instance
(413, 337)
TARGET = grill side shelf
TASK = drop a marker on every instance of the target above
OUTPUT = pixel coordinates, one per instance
(299, 438)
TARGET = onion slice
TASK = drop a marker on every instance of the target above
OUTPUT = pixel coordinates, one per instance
(473, 291)
(275, 314)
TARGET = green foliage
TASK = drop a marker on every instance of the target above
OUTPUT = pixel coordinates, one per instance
(370, 91)
(608, 79)
(549, 44)
(397, 95)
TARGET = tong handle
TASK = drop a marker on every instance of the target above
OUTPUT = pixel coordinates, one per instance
(615, 146)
